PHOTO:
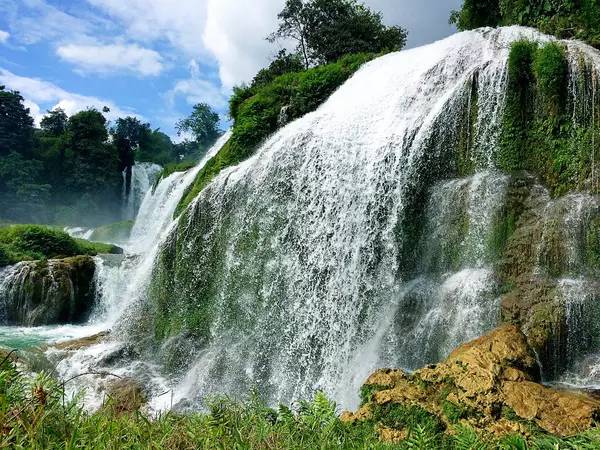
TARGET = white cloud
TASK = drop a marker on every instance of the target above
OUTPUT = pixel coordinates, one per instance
(33, 21)
(41, 95)
(4, 35)
(180, 23)
(113, 58)
(196, 89)
(236, 37)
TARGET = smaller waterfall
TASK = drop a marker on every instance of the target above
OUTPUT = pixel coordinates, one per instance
(122, 281)
(79, 232)
(143, 176)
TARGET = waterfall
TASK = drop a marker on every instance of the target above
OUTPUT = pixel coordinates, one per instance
(377, 231)
(122, 282)
(336, 249)
(290, 266)
(143, 176)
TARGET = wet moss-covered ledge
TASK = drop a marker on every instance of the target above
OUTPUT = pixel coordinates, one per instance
(20, 243)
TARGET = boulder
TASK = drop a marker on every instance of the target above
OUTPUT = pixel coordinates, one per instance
(491, 384)
(125, 395)
(48, 292)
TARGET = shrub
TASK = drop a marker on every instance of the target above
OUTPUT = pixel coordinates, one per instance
(34, 242)
(256, 110)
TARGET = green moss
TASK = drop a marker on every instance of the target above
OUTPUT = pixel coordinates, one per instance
(256, 112)
(367, 391)
(593, 244)
(538, 130)
(513, 153)
(551, 73)
(34, 242)
(455, 413)
(399, 416)
(465, 160)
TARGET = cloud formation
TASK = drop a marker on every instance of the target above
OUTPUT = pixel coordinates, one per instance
(178, 22)
(197, 89)
(42, 95)
(236, 37)
(112, 58)
(4, 35)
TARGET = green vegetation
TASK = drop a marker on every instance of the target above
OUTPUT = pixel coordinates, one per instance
(538, 130)
(69, 171)
(33, 242)
(579, 19)
(35, 414)
(256, 111)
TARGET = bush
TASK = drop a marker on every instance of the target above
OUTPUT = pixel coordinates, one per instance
(255, 111)
(34, 242)
(579, 19)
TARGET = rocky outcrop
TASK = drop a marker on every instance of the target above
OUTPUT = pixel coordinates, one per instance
(125, 395)
(491, 384)
(48, 292)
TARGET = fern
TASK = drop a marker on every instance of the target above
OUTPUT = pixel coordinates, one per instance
(513, 442)
(421, 438)
(467, 439)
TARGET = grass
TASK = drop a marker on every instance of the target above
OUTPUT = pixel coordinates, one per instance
(35, 242)
(34, 414)
(256, 110)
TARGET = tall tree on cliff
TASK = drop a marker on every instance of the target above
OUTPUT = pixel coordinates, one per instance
(129, 135)
(326, 30)
(16, 125)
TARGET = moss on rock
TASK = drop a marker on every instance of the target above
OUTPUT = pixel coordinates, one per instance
(50, 292)
(480, 380)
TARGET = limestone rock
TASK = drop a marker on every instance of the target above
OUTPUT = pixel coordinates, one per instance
(125, 395)
(491, 383)
(49, 292)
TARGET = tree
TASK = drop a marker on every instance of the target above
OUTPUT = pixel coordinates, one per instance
(129, 134)
(94, 161)
(340, 27)
(55, 122)
(16, 125)
(158, 148)
(283, 63)
(326, 30)
(292, 25)
(203, 124)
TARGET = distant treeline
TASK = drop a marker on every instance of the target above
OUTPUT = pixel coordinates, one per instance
(74, 170)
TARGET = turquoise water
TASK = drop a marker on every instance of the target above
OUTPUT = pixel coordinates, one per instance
(24, 338)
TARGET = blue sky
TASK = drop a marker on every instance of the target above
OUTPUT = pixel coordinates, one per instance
(156, 58)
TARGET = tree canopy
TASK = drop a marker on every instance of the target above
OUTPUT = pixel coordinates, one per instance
(326, 30)
(578, 19)
(202, 124)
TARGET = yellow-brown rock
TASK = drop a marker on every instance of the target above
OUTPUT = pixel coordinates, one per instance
(491, 383)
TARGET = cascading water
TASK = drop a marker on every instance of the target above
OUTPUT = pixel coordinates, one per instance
(121, 280)
(143, 176)
(373, 232)
(306, 266)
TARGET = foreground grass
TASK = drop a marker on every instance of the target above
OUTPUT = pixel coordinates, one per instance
(35, 242)
(34, 414)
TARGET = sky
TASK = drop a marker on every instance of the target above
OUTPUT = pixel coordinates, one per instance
(155, 59)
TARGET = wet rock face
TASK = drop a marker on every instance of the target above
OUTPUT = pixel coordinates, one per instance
(550, 287)
(491, 383)
(48, 292)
